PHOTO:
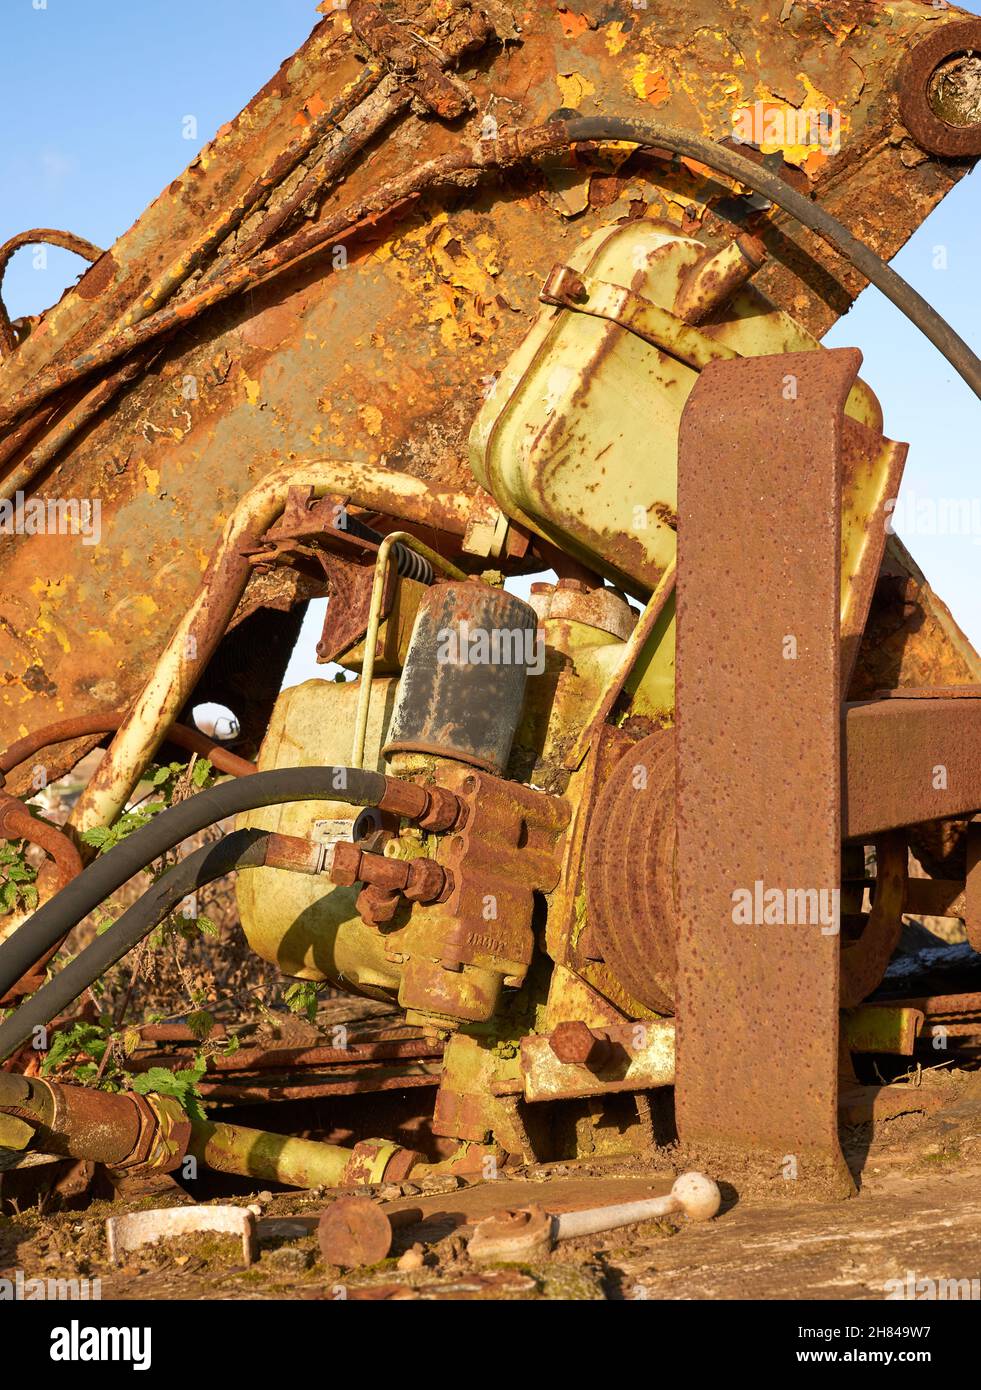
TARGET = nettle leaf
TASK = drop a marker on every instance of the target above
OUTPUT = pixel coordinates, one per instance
(202, 772)
(182, 1085)
(97, 836)
(17, 880)
(301, 998)
(200, 1023)
(87, 1038)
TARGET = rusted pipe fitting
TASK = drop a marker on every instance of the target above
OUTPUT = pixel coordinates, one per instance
(379, 1160)
(431, 808)
(716, 278)
(85, 725)
(124, 1131)
(293, 852)
(420, 880)
(378, 906)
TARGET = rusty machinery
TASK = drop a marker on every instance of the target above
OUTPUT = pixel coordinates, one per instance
(591, 843)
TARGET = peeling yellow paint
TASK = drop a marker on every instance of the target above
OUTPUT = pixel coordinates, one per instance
(649, 81)
(616, 39)
(778, 127)
(574, 88)
(451, 282)
(251, 389)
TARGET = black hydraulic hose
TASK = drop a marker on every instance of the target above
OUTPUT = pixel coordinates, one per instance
(26, 946)
(242, 849)
(810, 214)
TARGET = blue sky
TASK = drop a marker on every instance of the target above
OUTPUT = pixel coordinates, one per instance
(95, 98)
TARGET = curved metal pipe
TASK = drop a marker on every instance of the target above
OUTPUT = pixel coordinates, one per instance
(45, 236)
(79, 726)
(197, 635)
(17, 823)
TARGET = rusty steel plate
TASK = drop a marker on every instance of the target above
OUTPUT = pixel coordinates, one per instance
(759, 662)
(909, 761)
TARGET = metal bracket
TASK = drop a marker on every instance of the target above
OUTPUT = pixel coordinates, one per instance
(570, 289)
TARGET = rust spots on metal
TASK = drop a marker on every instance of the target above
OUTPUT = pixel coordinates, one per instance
(354, 1232)
(910, 760)
(95, 281)
(759, 817)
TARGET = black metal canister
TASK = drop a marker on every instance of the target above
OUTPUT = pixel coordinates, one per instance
(471, 651)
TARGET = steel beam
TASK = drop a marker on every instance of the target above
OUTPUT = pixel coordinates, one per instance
(758, 727)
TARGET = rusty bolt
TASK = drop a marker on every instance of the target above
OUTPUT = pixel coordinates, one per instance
(344, 867)
(577, 1045)
(428, 882)
(445, 811)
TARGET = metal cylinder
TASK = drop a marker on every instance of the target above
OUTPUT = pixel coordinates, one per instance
(463, 684)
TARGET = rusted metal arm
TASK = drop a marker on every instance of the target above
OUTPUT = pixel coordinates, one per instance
(187, 653)
(509, 148)
(909, 760)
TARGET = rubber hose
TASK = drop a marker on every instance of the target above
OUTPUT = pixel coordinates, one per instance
(24, 947)
(242, 849)
(810, 214)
